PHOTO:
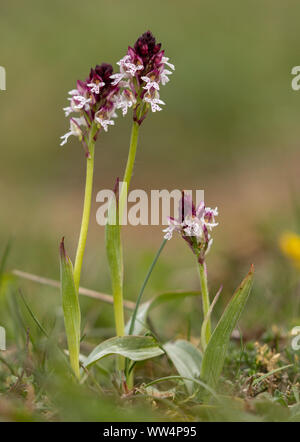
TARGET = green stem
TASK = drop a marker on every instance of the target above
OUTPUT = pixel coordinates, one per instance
(119, 321)
(139, 298)
(118, 294)
(205, 299)
(118, 285)
(119, 308)
(86, 209)
(129, 166)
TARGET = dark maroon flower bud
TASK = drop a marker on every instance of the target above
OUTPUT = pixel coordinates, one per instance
(146, 47)
(104, 71)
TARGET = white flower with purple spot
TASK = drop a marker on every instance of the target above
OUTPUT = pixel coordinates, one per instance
(79, 102)
(154, 102)
(75, 129)
(95, 87)
(150, 84)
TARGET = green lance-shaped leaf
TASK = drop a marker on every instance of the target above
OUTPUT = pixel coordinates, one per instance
(115, 261)
(136, 348)
(71, 309)
(187, 360)
(207, 318)
(215, 352)
(140, 325)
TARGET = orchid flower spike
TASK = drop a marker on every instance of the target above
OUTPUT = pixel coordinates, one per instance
(95, 102)
(142, 71)
(194, 226)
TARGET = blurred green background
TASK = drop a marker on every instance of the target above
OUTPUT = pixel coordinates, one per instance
(230, 127)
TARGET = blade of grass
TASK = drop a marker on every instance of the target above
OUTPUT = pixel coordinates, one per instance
(17, 320)
(39, 325)
(138, 301)
(8, 365)
(139, 298)
(265, 376)
(71, 309)
(184, 378)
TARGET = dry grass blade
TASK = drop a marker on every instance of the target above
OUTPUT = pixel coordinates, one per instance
(82, 291)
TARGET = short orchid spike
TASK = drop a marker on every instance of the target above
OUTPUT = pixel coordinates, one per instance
(142, 71)
(194, 224)
(94, 101)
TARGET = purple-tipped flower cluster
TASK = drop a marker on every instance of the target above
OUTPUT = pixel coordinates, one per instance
(142, 71)
(194, 225)
(94, 100)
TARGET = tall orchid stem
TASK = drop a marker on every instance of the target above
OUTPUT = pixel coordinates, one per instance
(205, 299)
(86, 208)
(118, 300)
(129, 166)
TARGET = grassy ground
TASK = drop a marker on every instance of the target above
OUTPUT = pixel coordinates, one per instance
(230, 127)
(35, 382)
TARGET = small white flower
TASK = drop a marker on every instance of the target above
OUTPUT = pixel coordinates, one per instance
(150, 84)
(104, 122)
(127, 69)
(79, 102)
(68, 110)
(208, 217)
(164, 76)
(165, 60)
(65, 137)
(73, 92)
(117, 78)
(154, 103)
(75, 129)
(193, 227)
(169, 232)
(173, 226)
(125, 105)
(132, 68)
(123, 60)
(125, 101)
(95, 87)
